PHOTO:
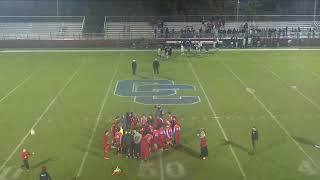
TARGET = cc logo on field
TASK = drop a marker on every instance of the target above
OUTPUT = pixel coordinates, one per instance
(151, 92)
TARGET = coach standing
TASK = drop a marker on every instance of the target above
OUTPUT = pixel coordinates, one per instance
(254, 138)
(134, 66)
(156, 65)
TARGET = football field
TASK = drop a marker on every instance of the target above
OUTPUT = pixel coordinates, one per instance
(71, 97)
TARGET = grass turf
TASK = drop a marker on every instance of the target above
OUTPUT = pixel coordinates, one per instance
(286, 117)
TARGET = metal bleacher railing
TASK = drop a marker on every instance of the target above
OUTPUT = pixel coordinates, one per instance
(41, 27)
(149, 27)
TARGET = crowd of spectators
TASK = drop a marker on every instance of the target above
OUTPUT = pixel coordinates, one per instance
(215, 28)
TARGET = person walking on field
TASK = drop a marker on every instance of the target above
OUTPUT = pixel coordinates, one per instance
(134, 66)
(156, 66)
(25, 159)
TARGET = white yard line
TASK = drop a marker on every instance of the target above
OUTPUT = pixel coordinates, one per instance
(38, 120)
(218, 121)
(295, 89)
(85, 156)
(14, 89)
(313, 73)
(272, 116)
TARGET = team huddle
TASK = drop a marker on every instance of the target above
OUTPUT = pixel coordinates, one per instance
(137, 136)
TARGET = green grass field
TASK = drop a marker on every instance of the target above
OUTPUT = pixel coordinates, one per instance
(68, 98)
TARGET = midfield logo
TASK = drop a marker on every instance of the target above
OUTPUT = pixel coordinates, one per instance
(150, 92)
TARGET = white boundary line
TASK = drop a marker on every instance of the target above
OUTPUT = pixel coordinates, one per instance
(297, 90)
(14, 89)
(180, 97)
(313, 73)
(39, 119)
(218, 121)
(147, 50)
(85, 156)
(272, 116)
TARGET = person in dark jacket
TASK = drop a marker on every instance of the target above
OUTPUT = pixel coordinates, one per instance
(254, 138)
(44, 175)
(156, 65)
(134, 66)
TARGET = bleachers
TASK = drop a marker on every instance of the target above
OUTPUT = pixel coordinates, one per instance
(44, 30)
(128, 30)
(134, 30)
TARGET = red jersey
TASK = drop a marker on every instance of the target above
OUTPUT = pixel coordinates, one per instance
(25, 155)
(159, 122)
(176, 128)
(143, 120)
(134, 122)
(151, 128)
(105, 140)
(162, 133)
(113, 130)
(156, 135)
(149, 138)
(168, 132)
(118, 137)
(203, 142)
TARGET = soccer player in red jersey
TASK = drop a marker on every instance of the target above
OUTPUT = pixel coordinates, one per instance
(159, 122)
(25, 159)
(176, 131)
(143, 148)
(203, 144)
(162, 137)
(156, 137)
(118, 140)
(168, 137)
(146, 147)
(143, 120)
(106, 145)
(114, 128)
(134, 121)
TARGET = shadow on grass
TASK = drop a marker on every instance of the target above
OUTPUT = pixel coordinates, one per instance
(92, 151)
(239, 146)
(41, 163)
(187, 150)
(305, 141)
(143, 77)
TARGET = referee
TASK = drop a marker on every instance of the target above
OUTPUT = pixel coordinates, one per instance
(156, 65)
(134, 66)
(254, 138)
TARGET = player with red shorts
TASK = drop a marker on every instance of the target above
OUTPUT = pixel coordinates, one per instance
(168, 137)
(106, 145)
(118, 136)
(176, 131)
(146, 147)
